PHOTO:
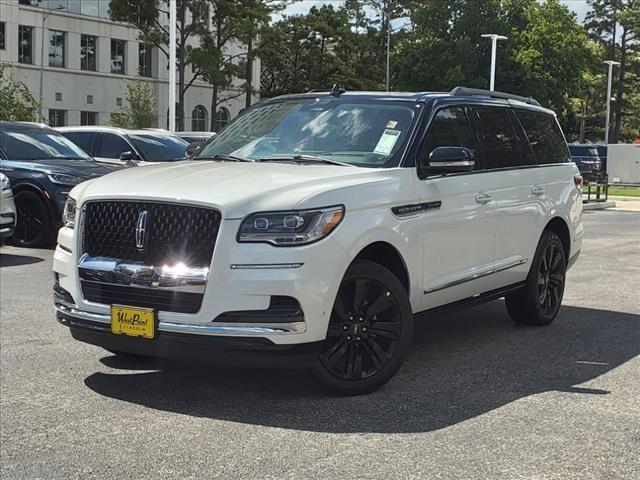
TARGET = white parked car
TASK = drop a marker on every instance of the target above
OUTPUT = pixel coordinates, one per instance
(8, 215)
(312, 229)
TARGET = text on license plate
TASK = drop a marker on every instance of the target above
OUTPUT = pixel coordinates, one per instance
(138, 322)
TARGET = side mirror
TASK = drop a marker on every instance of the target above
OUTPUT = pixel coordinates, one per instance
(443, 160)
(128, 156)
(193, 148)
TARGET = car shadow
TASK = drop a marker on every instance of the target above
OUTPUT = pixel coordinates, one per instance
(461, 365)
(11, 260)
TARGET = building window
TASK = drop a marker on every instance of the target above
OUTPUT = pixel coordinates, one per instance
(56, 49)
(88, 118)
(222, 118)
(144, 59)
(117, 56)
(25, 44)
(58, 96)
(2, 35)
(199, 119)
(118, 101)
(89, 98)
(88, 52)
(57, 117)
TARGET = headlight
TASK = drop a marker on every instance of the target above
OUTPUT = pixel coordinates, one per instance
(297, 227)
(62, 179)
(4, 182)
(69, 213)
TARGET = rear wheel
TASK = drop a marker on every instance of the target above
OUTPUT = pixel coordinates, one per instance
(369, 331)
(34, 227)
(538, 302)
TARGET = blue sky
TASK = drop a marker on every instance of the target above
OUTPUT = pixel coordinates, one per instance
(580, 7)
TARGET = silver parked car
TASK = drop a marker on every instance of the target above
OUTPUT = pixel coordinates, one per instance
(8, 214)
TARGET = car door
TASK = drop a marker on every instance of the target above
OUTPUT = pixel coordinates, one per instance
(513, 183)
(110, 146)
(459, 230)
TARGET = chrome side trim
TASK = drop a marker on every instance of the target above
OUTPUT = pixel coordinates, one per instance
(135, 274)
(231, 329)
(264, 266)
(478, 275)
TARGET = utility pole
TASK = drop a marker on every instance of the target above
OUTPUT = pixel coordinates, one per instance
(611, 63)
(388, 13)
(44, 34)
(172, 65)
(494, 46)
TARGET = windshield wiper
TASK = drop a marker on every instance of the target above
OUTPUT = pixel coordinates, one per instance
(220, 157)
(303, 159)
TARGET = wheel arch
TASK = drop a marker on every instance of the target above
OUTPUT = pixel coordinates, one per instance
(385, 254)
(559, 226)
(41, 192)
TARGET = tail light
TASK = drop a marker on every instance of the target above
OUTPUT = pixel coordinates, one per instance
(579, 181)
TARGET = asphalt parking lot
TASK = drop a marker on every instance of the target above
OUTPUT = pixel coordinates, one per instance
(478, 397)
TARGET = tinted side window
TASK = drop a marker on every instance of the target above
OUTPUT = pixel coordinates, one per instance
(449, 128)
(112, 146)
(545, 137)
(501, 142)
(82, 139)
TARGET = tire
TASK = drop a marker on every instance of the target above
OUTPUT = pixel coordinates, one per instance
(34, 228)
(539, 301)
(369, 331)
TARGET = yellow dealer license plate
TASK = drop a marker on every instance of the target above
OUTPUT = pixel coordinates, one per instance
(137, 322)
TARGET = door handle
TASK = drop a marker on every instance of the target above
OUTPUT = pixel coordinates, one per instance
(483, 198)
(536, 190)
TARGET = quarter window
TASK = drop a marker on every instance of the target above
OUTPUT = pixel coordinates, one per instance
(449, 128)
(88, 53)
(82, 139)
(25, 44)
(545, 137)
(56, 49)
(501, 142)
(112, 146)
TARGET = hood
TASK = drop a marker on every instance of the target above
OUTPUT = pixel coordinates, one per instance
(236, 189)
(78, 168)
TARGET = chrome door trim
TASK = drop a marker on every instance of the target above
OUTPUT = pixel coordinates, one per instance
(478, 275)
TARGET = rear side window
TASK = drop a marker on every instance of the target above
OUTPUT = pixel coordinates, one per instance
(502, 147)
(545, 137)
(449, 128)
(112, 146)
(82, 139)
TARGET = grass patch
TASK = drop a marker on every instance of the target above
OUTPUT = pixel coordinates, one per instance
(625, 191)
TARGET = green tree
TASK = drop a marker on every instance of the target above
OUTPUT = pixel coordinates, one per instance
(151, 18)
(140, 110)
(17, 104)
(615, 24)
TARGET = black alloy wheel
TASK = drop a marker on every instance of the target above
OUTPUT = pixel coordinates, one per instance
(33, 227)
(539, 301)
(369, 331)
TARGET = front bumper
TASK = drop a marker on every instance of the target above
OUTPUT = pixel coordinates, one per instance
(8, 215)
(225, 350)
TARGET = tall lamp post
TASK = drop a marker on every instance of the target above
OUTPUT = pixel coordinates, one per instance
(611, 63)
(494, 45)
(172, 65)
(44, 34)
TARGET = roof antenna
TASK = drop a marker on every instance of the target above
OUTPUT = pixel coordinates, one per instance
(336, 91)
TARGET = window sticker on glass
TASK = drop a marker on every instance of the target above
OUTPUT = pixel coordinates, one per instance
(387, 141)
(392, 124)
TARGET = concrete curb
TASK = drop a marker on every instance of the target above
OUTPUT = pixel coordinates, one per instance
(599, 205)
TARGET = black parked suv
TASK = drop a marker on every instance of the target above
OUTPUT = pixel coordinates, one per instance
(42, 166)
(587, 159)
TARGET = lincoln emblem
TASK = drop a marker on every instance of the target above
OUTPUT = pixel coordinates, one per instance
(141, 227)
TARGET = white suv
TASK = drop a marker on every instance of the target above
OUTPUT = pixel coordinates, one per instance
(312, 229)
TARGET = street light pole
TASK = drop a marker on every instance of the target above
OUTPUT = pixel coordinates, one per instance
(172, 65)
(44, 19)
(388, 42)
(611, 63)
(494, 46)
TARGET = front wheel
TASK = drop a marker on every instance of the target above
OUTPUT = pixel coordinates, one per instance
(538, 302)
(34, 227)
(369, 331)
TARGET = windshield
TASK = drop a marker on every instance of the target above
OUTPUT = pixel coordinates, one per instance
(158, 148)
(364, 133)
(39, 145)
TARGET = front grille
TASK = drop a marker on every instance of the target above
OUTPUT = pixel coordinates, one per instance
(162, 300)
(174, 233)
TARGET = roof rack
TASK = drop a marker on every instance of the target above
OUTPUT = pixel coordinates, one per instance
(335, 91)
(470, 92)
